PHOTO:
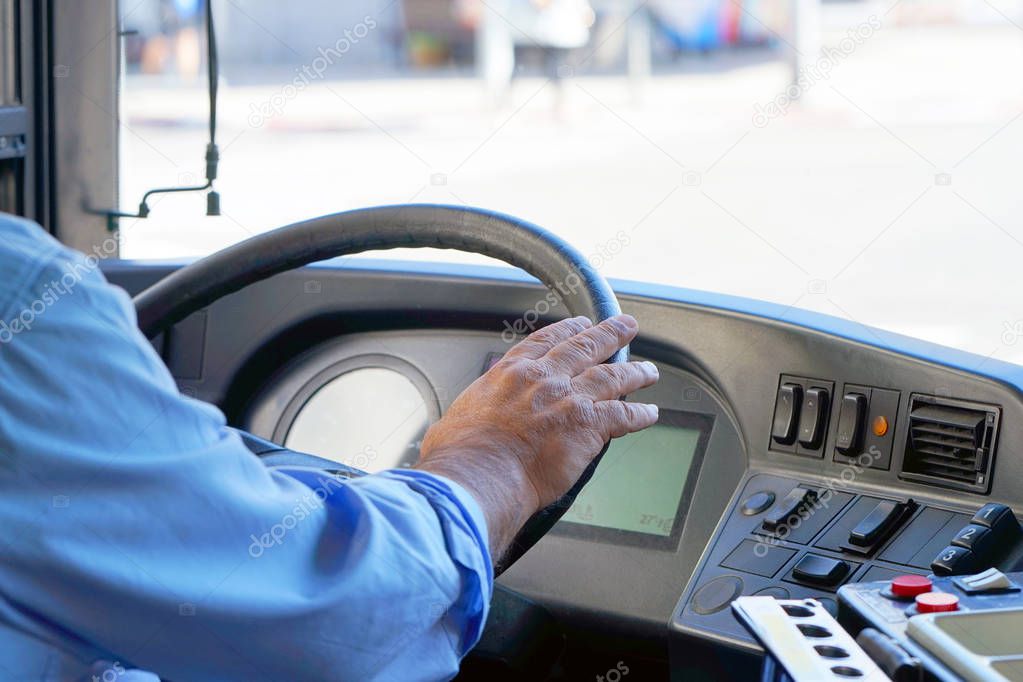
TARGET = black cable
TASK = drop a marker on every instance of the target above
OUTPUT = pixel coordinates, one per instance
(212, 152)
(213, 77)
(213, 67)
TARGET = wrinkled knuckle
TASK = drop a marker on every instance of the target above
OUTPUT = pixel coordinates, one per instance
(633, 414)
(582, 411)
(541, 334)
(534, 372)
(586, 346)
(610, 376)
(573, 325)
(555, 388)
(615, 419)
(617, 330)
(510, 365)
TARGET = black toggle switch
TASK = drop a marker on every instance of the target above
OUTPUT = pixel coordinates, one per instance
(820, 570)
(786, 414)
(883, 519)
(851, 424)
(812, 418)
(789, 507)
(954, 561)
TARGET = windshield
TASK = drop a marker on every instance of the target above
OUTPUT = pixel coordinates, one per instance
(854, 158)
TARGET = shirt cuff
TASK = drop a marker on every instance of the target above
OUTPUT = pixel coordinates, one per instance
(460, 516)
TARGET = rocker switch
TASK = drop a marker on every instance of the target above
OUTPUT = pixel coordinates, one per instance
(812, 418)
(786, 414)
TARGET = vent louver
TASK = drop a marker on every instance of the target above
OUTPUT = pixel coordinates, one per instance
(951, 443)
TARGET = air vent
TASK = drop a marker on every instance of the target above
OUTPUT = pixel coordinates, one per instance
(951, 443)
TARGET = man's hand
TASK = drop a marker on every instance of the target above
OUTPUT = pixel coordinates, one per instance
(524, 432)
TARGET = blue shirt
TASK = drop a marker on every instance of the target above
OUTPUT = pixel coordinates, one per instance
(137, 532)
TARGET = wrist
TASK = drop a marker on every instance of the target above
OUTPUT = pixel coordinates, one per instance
(498, 485)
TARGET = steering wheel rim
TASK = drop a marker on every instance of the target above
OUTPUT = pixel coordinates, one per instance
(558, 265)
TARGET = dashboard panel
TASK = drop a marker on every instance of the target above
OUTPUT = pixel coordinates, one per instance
(631, 526)
(773, 414)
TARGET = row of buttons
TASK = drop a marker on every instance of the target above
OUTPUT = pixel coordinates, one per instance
(868, 533)
(799, 416)
(920, 589)
(866, 420)
(980, 543)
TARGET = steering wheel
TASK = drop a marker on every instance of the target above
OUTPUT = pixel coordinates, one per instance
(540, 253)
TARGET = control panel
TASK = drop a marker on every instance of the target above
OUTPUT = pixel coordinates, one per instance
(801, 414)
(864, 419)
(793, 540)
(947, 442)
(991, 538)
(956, 628)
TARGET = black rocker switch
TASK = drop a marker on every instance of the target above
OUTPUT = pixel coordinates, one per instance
(851, 423)
(813, 417)
(789, 507)
(821, 570)
(875, 525)
(786, 414)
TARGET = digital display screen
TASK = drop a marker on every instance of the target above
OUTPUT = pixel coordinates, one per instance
(642, 486)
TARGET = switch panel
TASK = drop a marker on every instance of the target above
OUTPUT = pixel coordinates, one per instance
(987, 540)
(866, 426)
(802, 411)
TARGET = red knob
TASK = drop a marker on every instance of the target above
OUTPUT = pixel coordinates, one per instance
(936, 602)
(910, 585)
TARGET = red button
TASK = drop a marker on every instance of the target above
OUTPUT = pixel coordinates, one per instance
(910, 585)
(936, 602)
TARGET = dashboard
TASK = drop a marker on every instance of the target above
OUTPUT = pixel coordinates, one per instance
(631, 526)
(795, 454)
(349, 402)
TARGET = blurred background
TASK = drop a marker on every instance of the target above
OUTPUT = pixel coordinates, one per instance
(857, 157)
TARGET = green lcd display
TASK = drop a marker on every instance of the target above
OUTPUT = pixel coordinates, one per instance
(641, 488)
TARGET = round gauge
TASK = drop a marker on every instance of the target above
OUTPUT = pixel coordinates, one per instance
(368, 411)
(371, 418)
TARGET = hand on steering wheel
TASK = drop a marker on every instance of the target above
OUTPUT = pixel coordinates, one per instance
(524, 432)
(535, 250)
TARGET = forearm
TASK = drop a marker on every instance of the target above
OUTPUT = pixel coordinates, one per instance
(503, 493)
(160, 533)
(375, 577)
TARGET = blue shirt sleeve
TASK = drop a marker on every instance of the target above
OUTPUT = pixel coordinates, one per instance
(138, 531)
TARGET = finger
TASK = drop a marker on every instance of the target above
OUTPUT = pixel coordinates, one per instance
(593, 345)
(618, 417)
(607, 382)
(537, 344)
